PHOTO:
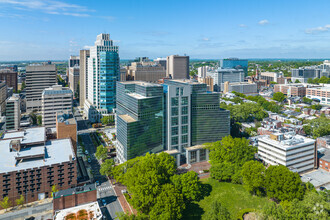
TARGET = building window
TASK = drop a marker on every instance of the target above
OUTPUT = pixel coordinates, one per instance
(184, 110)
(174, 141)
(321, 161)
(175, 130)
(193, 156)
(326, 164)
(202, 154)
(184, 129)
(175, 121)
(184, 100)
(184, 139)
(177, 92)
(320, 165)
(184, 119)
(175, 101)
(181, 91)
(174, 111)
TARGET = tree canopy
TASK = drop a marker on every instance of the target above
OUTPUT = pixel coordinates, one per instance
(107, 167)
(253, 174)
(217, 212)
(278, 96)
(317, 127)
(101, 152)
(5, 203)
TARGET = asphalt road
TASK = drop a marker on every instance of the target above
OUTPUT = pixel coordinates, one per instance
(105, 190)
(38, 211)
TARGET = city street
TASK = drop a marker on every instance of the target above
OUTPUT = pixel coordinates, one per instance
(105, 190)
(43, 211)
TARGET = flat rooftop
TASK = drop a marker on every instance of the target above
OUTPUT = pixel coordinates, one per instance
(127, 118)
(92, 209)
(318, 178)
(288, 143)
(141, 83)
(137, 96)
(76, 190)
(28, 136)
(56, 151)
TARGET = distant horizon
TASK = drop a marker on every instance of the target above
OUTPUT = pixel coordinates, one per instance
(36, 29)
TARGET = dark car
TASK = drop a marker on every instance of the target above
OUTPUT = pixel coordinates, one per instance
(322, 188)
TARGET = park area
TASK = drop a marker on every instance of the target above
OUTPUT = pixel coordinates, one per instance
(232, 196)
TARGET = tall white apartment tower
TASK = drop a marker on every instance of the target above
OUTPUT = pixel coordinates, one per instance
(103, 72)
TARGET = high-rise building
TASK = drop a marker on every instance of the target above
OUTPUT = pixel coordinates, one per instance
(189, 117)
(13, 112)
(74, 79)
(74, 61)
(234, 63)
(203, 70)
(303, 74)
(30, 165)
(55, 99)
(10, 76)
(193, 116)
(177, 67)
(139, 119)
(226, 75)
(3, 97)
(83, 77)
(161, 61)
(38, 78)
(103, 73)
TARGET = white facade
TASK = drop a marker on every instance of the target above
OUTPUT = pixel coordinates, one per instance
(102, 43)
(227, 75)
(297, 153)
(55, 99)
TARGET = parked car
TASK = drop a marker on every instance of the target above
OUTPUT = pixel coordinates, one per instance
(86, 152)
(104, 202)
(89, 160)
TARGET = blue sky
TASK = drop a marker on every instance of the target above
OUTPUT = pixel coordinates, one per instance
(42, 29)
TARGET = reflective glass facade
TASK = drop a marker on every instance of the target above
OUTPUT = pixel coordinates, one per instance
(108, 76)
(139, 118)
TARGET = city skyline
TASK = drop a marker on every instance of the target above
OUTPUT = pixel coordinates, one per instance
(54, 30)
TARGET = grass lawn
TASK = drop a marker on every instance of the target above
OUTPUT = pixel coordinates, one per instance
(233, 196)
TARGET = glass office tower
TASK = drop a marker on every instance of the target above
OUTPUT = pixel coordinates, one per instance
(108, 76)
(139, 119)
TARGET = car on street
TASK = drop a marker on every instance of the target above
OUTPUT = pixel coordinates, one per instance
(86, 152)
(104, 202)
(97, 183)
(89, 160)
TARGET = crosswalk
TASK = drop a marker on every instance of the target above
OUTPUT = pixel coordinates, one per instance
(104, 188)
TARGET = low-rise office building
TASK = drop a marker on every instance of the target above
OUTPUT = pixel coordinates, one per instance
(221, 76)
(296, 89)
(324, 159)
(298, 153)
(66, 127)
(55, 99)
(241, 87)
(30, 165)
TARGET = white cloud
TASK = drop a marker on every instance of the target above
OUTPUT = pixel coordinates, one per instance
(318, 29)
(86, 47)
(206, 39)
(49, 7)
(243, 25)
(263, 22)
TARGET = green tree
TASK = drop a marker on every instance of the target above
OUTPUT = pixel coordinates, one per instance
(107, 167)
(316, 81)
(310, 80)
(101, 152)
(278, 96)
(272, 211)
(283, 184)
(297, 81)
(169, 204)
(216, 212)
(233, 150)
(20, 201)
(144, 177)
(323, 79)
(222, 171)
(54, 189)
(188, 185)
(307, 100)
(22, 86)
(318, 127)
(5, 203)
(253, 174)
(107, 120)
(39, 119)
(128, 216)
(33, 118)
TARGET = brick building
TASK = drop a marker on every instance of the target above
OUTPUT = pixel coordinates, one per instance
(30, 165)
(323, 142)
(324, 159)
(66, 127)
(74, 196)
(291, 90)
(10, 77)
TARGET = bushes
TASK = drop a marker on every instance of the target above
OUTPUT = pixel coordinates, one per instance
(242, 212)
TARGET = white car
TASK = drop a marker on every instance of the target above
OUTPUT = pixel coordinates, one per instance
(86, 152)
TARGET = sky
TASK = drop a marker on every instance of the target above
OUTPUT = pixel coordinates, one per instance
(206, 29)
